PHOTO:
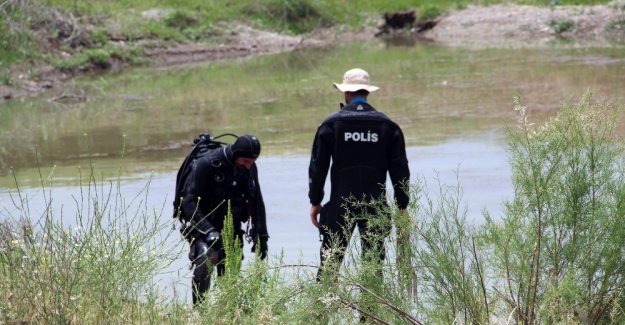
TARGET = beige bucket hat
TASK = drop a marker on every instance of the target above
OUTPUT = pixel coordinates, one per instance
(354, 80)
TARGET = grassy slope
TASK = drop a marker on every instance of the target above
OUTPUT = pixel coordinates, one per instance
(78, 34)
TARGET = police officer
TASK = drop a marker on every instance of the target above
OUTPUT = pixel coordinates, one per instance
(363, 145)
(228, 174)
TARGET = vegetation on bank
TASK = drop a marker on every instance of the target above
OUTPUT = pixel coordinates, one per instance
(76, 35)
(554, 256)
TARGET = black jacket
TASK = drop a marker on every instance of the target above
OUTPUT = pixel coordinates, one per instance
(363, 145)
(213, 181)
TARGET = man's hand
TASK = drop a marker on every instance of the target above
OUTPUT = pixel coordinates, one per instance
(314, 213)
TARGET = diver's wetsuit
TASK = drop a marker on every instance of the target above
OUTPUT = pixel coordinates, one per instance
(213, 181)
(363, 145)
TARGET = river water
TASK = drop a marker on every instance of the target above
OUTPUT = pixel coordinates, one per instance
(453, 105)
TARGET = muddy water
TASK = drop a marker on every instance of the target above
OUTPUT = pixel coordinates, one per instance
(452, 105)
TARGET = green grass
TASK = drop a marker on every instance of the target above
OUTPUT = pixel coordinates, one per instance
(24, 25)
(96, 267)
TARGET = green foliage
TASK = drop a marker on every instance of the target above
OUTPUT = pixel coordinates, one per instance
(88, 59)
(154, 30)
(561, 26)
(245, 295)
(232, 246)
(617, 25)
(202, 32)
(97, 268)
(99, 37)
(134, 54)
(6, 55)
(429, 12)
(100, 58)
(5, 76)
(298, 16)
(17, 41)
(451, 268)
(181, 19)
(97, 57)
(557, 249)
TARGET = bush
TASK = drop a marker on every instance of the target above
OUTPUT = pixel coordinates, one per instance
(429, 12)
(86, 60)
(297, 16)
(557, 252)
(181, 20)
(98, 268)
(561, 26)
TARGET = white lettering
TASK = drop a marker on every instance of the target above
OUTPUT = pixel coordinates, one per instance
(361, 136)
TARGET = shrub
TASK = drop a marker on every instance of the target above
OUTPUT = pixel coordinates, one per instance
(429, 12)
(86, 60)
(557, 253)
(561, 26)
(97, 268)
(181, 19)
(297, 16)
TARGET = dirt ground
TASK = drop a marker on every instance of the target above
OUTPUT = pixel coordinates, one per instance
(498, 26)
(514, 26)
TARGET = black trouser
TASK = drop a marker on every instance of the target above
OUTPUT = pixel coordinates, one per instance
(203, 269)
(337, 228)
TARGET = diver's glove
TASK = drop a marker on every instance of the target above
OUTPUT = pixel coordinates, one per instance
(263, 248)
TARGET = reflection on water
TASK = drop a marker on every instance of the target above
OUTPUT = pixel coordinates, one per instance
(409, 40)
(436, 94)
